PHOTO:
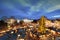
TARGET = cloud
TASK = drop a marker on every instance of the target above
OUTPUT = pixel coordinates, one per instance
(34, 8)
(56, 16)
(42, 7)
(24, 3)
(53, 8)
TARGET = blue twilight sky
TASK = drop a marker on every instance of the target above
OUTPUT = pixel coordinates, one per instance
(31, 9)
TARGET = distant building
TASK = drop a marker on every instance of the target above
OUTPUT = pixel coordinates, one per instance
(27, 20)
(11, 20)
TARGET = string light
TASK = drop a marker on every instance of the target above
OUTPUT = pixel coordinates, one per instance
(19, 35)
(12, 32)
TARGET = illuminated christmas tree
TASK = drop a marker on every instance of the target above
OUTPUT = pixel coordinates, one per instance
(42, 27)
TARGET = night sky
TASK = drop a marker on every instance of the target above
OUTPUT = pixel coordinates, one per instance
(31, 9)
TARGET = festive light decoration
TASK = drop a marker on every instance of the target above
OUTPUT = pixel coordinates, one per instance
(42, 27)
